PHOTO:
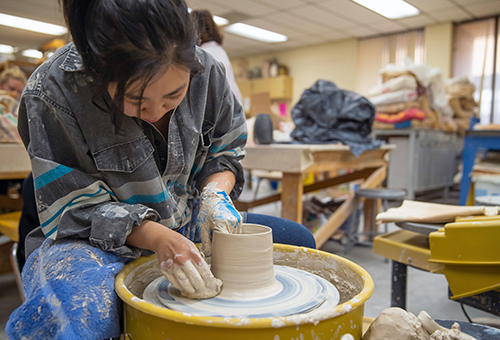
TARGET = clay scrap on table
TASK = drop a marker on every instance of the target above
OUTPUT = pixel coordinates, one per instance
(396, 323)
(423, 212)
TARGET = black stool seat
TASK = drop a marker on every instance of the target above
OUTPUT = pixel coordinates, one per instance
(384, 194)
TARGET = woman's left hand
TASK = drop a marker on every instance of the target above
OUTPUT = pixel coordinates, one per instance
(217, 212)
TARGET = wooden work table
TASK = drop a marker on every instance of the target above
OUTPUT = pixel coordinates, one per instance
(14, 164)
(14, 161)
(296, 159)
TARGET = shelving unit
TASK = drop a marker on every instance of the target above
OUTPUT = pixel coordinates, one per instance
(423, 160)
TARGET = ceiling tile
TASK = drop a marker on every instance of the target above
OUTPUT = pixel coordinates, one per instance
(416, 21)
(272, 26)
(23, 39)
(484, 9)
(248, 7)
(285, 45)
(469, 2)
(304, 22)
(330, 36)
(430, 5)
(282, 4)
(314, 1)
(292, 20)
(236, 40)
(387, 26)
(37, 10)
(213, 8)
(451, 14)
(312, 39)
(349, 9)
(325, 17)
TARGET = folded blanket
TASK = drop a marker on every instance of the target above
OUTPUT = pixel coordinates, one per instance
(402, 116)
(69, 289)
(395, 97)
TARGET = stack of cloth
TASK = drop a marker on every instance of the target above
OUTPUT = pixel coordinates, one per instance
(486, 163)
(401, 102)
(459, 92)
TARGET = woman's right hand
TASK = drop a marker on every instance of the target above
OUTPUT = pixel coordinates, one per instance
(180, 261)
(182, 264)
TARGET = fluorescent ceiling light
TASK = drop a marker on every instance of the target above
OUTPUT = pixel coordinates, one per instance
(32, 54)
(7, 49)
(255, 33)
(392, 9)
(31, 25)
(220, 21)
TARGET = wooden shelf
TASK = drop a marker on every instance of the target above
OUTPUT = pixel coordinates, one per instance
(279, 88)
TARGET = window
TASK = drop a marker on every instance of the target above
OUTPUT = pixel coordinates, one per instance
(474, 57)
(375, 53)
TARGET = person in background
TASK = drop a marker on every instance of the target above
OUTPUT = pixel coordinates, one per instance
(211, 41)
(135, 139)
(12, 80)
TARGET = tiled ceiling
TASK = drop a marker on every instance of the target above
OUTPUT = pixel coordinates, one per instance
(305, 22)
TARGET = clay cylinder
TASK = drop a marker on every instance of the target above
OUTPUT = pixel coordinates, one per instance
(244, 261)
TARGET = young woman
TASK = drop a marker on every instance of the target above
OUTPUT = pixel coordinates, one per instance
(211, 41)
(135, 138)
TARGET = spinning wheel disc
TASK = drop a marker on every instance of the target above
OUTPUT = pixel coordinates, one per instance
(295, 292)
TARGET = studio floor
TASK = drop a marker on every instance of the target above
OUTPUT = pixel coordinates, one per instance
(426, 291)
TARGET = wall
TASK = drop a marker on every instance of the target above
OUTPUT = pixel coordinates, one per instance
(439, 47)
(336, 62)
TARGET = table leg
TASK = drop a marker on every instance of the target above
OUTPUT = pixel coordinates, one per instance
(398, 286)
(411, 165)
(369, 219)
(469, 156)
(291, 197)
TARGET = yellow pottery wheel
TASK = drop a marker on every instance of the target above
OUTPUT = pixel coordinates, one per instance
(144, 320)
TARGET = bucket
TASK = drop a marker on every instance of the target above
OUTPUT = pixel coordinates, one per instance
(488, 200)
(144, 320)
(486, 185)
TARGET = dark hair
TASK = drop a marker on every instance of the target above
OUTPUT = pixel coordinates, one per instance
(206, 26)
(125, 41)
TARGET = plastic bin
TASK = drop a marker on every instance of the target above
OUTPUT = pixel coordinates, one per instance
(486, 185)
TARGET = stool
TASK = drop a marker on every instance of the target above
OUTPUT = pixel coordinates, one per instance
(17, 270)
(373, 194)
(9, 226)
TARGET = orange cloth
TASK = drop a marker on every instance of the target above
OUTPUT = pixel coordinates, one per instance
(402, 116)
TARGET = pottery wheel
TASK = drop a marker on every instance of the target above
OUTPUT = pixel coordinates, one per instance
(297, 292)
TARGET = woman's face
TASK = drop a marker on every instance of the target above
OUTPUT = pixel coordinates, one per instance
(161, 95)
(13, 85)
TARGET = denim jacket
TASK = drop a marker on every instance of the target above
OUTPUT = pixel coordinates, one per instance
(92, 183)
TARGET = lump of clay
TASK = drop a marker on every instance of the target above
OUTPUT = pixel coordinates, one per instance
(396, 323)
(448, 334)
(347, 337)
(439, 332)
